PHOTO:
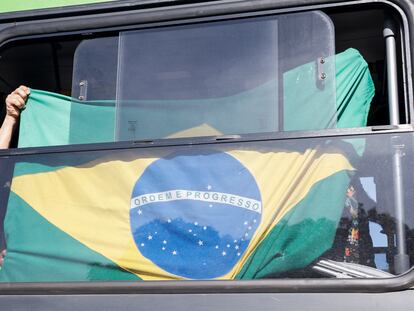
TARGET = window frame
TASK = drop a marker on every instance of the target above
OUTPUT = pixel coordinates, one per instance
(192, 13)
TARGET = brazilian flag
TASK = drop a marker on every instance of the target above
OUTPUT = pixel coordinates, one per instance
(206, 214)
(210, 212)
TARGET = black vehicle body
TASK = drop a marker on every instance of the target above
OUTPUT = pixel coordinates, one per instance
(396, 293)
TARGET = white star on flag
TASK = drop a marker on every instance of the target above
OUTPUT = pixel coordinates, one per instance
(174, 252)
(200, 243)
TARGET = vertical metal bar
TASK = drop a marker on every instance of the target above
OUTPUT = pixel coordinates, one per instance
(401, 259)
(391, 52)
(281, 102)
(404, 76)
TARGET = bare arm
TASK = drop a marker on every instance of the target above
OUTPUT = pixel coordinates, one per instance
(14, 103)
(6, 132)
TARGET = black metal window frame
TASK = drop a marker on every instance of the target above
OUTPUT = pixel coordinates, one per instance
(148, 16)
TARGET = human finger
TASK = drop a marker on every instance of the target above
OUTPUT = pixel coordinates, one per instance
(22, 92)
(24, 89)
(15, 100)
(12, 108)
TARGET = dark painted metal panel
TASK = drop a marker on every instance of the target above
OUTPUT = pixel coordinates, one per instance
(400, 301)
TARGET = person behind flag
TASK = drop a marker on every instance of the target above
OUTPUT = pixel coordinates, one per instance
(15, 102)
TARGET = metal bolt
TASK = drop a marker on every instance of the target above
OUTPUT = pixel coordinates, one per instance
(82, 83)
(81, 97)
(323, 76)
(322, 61)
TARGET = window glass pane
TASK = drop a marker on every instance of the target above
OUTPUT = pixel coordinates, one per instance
(323, 207)
(221, 78)
(230, 77)
(95, 69)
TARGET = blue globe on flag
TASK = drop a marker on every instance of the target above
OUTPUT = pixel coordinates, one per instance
(193, 215)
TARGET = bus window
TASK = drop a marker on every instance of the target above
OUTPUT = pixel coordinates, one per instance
(207, 79)
(236, 77)
(247, 210)
(290, 195)
(213, 78)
